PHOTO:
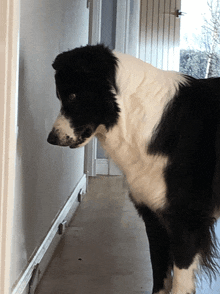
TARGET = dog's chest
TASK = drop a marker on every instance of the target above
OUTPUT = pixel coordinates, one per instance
(144, 172)
(147, 183)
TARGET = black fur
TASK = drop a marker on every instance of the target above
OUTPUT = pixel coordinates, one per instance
(188, 134)
(89, 73)
(159, 244)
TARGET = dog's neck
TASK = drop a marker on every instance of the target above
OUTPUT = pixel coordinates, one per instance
(144, 92)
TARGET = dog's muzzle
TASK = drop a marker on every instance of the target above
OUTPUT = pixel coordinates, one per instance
(54, 139)
(57, 137)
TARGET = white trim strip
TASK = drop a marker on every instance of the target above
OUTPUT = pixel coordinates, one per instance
(121, 20)
(95, 16)
(102, 166)
(9, 45)
(95, 19)
(26, 276)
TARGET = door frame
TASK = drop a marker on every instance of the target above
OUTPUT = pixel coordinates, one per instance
(122, 25)
(9, 42)
(122, 45)
(95, 19)
(107, 166)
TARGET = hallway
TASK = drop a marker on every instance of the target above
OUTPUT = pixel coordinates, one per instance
(105, 248)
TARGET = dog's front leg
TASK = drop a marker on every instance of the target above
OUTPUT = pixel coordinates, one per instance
(159, 250)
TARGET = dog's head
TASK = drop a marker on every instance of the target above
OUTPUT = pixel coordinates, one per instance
(86, 88)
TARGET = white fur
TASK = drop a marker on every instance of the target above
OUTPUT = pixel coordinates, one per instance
(63, 128)
(144, 91)
(168, 283)
(184, 279)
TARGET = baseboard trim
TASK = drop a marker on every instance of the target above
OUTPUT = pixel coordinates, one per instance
(102, 166)
(43, 255)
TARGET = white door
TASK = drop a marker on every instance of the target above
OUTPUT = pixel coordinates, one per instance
(160, 33)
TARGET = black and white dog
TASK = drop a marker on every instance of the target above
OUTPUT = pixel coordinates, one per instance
(161, 128)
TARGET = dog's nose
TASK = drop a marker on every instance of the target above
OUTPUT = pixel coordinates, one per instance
(53, 138)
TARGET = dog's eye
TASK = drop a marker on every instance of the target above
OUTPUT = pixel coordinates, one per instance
(72, 97)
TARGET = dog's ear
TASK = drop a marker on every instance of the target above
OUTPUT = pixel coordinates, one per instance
(61, 61)
(64, 60)
(94, 59)
(54, 67)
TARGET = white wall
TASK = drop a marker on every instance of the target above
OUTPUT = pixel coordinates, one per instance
(45, 174)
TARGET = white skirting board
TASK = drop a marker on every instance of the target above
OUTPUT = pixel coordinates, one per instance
(102, 166)
(107, 167)
(44, 253)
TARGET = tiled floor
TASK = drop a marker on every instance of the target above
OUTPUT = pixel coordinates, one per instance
(105, 249)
